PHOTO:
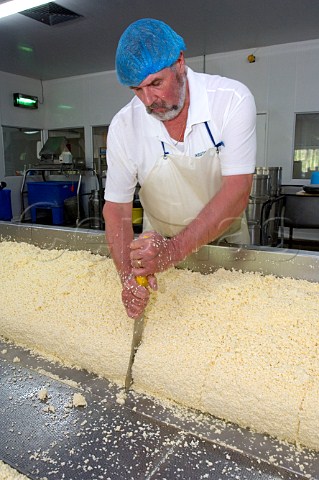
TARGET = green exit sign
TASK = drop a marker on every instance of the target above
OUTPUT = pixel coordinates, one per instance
(25, 101)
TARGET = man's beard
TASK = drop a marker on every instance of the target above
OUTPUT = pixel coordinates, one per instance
(171, 111)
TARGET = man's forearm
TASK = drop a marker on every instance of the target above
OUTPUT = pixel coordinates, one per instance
(214, 219)
(119, 234)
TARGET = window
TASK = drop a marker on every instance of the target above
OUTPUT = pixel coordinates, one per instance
(75, 143)
(306, 151)
(20, 149)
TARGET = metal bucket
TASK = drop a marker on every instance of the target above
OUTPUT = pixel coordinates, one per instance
(260, 185)
(264, 219)
(254, 209)
(270, 223)
(254, 233)
(275, 179)
(95, 210)
(275, 175)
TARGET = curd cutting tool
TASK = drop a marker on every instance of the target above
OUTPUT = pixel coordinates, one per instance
(138, 328)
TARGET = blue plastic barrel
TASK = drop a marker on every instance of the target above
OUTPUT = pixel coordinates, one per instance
(5, 205)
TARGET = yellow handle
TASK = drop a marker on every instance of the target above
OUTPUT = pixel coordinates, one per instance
(142, 281)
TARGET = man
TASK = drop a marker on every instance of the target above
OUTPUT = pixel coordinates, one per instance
(189, 140)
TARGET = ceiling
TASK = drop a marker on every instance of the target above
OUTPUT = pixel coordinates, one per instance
(87, 45)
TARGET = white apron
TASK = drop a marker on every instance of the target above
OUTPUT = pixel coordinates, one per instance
(178, 187)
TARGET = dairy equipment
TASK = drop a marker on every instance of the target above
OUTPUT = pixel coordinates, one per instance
(264, 210)
(95, 210)
(143, 438)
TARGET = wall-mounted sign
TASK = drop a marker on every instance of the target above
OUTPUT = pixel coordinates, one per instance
(25, 101)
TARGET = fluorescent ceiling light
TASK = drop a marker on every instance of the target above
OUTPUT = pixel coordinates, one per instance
(15, 6)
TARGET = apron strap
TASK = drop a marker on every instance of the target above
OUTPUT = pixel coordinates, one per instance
(163, 147)
(216, 145)
(220, 144)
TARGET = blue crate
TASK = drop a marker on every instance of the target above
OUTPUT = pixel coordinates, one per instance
(50, 195)
(54, 192)
(5, 205)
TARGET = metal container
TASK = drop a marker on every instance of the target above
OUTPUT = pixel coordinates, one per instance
(217, 441)
(254, 233)
(275, 179)
(275, 175)
(264, 207)
(264, 217)
(95, 210)
(271, 221)
(274, 261)
(260, 226)
(254, 209)
(260, 185)
(255, 218)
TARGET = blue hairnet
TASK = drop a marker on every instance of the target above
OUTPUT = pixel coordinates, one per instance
(146, 46)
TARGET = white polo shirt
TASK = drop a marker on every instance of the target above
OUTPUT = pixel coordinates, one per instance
(135, 137)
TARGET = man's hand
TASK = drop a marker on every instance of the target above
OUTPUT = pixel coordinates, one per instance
(150, 253)
(134, 297)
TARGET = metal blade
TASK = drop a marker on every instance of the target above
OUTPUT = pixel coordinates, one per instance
(138, 328)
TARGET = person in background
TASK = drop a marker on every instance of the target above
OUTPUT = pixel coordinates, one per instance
(189, 140)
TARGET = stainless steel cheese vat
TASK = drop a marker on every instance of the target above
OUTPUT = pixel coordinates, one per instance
(100, 432)
(282, 262)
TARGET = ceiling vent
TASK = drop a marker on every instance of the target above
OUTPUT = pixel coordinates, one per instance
(50, 14)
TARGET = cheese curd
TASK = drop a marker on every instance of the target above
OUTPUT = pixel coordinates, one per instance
(240, 346)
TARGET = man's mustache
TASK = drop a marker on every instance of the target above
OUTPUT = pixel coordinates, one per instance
(155, 105)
